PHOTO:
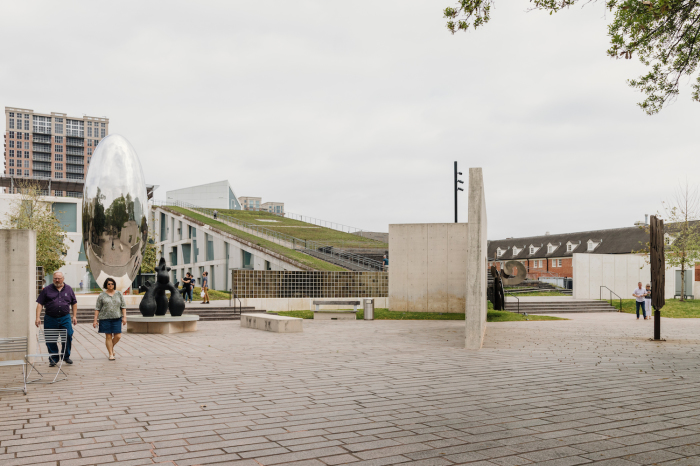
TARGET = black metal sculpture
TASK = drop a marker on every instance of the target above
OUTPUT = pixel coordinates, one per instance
(658, 271)
(496, 293)
(155, 302)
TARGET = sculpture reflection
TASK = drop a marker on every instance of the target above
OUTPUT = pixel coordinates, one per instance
(115, 223)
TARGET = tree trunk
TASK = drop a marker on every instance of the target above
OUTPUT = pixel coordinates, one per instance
(682, 282)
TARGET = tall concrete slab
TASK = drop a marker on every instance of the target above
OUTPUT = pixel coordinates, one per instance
(427, 267)
(477, 263)
(18, 287)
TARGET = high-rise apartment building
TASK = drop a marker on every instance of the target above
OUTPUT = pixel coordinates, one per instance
(50, 146)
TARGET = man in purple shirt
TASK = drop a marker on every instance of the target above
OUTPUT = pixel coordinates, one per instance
(58, 298)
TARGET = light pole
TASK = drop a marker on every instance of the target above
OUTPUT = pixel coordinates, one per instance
(457, 188)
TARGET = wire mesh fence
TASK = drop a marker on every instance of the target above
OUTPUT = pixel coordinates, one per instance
(309, 284)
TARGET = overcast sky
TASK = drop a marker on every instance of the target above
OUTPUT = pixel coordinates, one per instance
(354, 112)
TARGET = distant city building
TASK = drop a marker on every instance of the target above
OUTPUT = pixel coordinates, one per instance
(50, 147)
(274, 207)
(250, 203)
(218, 195)
(255, 203)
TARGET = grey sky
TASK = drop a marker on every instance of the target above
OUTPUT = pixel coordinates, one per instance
(355, 111)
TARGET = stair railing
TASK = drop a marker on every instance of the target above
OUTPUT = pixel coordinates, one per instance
(611, 293)
(232, 303)
(506, 292)
(277, 237)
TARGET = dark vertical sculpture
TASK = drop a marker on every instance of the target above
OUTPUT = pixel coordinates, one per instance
(496, 294)
(154, 302)
(658, 271)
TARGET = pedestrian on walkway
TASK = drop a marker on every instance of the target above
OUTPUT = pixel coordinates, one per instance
(215, 214)
(110, 310)
(205, 288)
(639, 294)
(187, 285)
(647, 302)
(58, 299)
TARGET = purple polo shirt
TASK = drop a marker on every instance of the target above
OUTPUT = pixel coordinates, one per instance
(57, 303)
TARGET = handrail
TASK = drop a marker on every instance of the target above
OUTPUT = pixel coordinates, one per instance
(505, 293)
(611, 293)
(292, 242)
(231, 303)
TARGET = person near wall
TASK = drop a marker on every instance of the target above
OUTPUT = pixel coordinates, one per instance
(215, 214)
(639, 295)
(385, 262)
(187, 285)
(205, 287)
(58, 298)
(110, 311)
(647, 302)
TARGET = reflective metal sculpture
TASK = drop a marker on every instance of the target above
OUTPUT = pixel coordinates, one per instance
(115, 212)
(154, 301)
(496, 293)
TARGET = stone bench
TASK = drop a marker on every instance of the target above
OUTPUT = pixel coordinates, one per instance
(336, 314)
(272, 323)
(162, 324)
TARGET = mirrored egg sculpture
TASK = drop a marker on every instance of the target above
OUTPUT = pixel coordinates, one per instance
(115, 212)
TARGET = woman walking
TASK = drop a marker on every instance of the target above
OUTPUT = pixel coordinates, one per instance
(110, 310)
(205, 287)
(647, 303)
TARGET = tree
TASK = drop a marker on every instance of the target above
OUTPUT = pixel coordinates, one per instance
(682, 229)
(149, 256)
(664, 34)
(30, 212)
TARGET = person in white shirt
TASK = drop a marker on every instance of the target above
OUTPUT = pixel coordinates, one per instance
(647, 302)
(639, 294)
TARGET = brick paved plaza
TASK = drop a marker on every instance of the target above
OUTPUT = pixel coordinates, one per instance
(591, 389)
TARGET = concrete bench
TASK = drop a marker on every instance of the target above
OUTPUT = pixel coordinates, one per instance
(272, 323)
(336, 314)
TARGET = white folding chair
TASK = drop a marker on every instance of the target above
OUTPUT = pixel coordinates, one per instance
(44, 336)
(15, 345)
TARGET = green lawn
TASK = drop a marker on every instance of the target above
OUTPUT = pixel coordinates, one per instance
(303, 230)
(316, 264)
(673, 308)
(385, 314)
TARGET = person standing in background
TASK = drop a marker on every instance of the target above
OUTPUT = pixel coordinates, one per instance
(647, 302)
(205, 287)
(639, 294)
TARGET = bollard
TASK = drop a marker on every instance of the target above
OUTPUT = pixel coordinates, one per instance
(369, 309)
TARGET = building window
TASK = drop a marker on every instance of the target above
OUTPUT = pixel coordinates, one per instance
(26, 154)
(12, 143)
(89, 130)
(26, 145)
(591, 245)
(58, 139)
(12, 153)
(89, 158)
(58, 157)
(499, 252)
(12, 115)
(103, 125)
(532, 249)
(26, 164)
(75, 128)
(26, 136)
(90, 151)
(102, 132)
(58, 176)
(26, 172)
(569, 247)
(516, 251)
(26, 123)
(59, 128)
(12, 162)
(58, 148)
(556, 262)
(58, 166)
(12, 123)
(12, 134)
(12, 171)
(58, 193)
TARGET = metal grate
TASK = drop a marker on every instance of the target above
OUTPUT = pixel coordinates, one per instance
(39, 280)
(309, 284)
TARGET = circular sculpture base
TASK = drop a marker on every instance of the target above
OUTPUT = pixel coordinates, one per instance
(162, 324)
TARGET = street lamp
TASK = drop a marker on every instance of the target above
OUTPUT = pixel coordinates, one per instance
(457, 188)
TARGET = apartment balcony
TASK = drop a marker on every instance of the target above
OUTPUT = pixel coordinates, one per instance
(73, 151)
(75, 160)
(41, 148)
(41, 174)
(74, 142)
(42, 130)
(42, 166)
(43, 139)
(41, 157)
(74, 176)
(75, 133)
(74, 169)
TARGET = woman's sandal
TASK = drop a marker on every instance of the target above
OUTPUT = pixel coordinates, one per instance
(112, 358)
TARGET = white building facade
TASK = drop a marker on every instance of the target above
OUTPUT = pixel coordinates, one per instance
(67, 210)
(218, 195)
(189, 246)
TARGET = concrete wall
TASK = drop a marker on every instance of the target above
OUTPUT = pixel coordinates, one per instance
(477, 263)
(619, 272)
(305, 304)
(215, 195)
(428, 271)
(18, 287)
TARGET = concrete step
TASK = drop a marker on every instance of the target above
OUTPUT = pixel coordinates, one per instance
(551, 307)
(86, 316)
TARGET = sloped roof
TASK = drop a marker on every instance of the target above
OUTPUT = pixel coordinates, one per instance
(613, 241)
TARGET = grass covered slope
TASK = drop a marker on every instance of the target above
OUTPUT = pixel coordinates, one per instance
(673, 308)
(316, 264)
(385, 314)
(303, 230)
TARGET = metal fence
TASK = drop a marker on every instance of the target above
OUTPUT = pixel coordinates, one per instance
(309, 284)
